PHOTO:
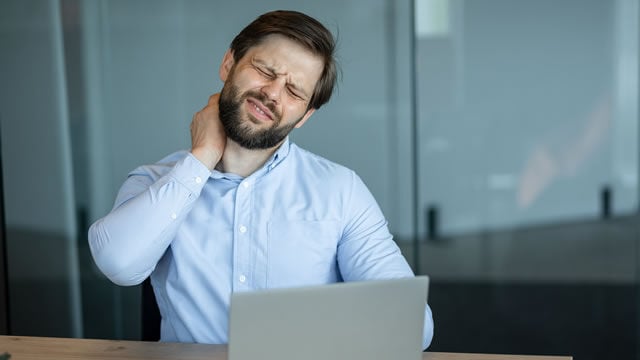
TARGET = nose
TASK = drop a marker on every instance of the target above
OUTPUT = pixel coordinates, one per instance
(273, 89)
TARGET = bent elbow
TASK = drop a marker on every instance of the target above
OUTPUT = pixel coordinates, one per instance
(126, 280)
(112, 260)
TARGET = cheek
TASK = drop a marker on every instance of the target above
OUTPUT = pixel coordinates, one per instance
(245, 83)
(294, 112)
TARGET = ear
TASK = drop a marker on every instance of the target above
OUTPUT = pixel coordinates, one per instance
(226, 65)
(306, 117)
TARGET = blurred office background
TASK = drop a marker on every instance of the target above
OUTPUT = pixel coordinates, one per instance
(500, 138)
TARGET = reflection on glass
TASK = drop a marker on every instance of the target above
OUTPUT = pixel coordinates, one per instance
(518, 117)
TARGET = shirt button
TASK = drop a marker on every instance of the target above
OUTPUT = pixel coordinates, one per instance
(243, 229)
(242, 278)
(198, 179)
(246, 184)
(174, 216)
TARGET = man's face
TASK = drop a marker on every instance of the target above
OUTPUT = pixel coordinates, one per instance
(266, 93)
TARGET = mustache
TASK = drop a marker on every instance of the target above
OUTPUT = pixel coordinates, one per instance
(269, 104)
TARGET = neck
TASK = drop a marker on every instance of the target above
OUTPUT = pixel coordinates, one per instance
(244, 162)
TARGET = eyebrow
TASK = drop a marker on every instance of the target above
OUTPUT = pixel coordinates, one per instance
(297, 88)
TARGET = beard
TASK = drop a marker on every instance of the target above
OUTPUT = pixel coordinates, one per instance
(241, 130)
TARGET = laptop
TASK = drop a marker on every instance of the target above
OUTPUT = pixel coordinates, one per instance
(381, 319)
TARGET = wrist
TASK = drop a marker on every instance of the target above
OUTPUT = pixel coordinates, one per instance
(208, 157)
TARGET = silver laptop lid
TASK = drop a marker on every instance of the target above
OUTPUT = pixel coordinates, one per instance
(380, 319)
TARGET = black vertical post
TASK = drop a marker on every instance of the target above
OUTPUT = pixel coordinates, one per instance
(5, 324)
(605, 202)
(432, 223)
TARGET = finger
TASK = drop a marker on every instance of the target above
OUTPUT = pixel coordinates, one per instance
(213, 99)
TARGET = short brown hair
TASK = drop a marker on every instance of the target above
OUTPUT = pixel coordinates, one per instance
(303, 29)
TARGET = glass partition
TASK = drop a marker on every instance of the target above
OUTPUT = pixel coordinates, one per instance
(527, 115)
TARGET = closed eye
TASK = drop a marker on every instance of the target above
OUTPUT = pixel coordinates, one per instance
(295, 94)
(264, 72)
(269, 74)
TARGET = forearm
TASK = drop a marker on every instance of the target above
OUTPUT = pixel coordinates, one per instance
(367, 250)
(379, 259)
(128, 242)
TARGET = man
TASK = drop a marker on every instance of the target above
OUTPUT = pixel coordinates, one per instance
(245, 208)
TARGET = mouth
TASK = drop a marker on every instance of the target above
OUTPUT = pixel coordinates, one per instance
(258, 110)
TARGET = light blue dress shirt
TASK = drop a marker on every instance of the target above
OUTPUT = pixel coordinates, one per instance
(201, 235)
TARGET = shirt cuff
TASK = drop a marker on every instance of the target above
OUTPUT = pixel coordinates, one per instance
(191, 173)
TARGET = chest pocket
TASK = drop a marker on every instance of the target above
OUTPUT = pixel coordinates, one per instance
(302, 252)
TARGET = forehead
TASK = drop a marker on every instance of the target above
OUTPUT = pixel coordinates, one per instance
(288, 58)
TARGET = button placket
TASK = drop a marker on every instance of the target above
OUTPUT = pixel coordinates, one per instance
(242, 237)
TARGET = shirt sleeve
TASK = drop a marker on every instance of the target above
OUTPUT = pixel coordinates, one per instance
(128, 242)
(367, 251)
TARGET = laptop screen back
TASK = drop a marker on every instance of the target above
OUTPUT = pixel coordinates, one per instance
(380, 319)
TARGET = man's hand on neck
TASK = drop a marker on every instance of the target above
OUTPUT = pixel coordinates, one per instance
(210, 145)
(208, 139)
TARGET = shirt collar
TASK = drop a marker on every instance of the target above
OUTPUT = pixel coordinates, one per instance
(279, 155)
